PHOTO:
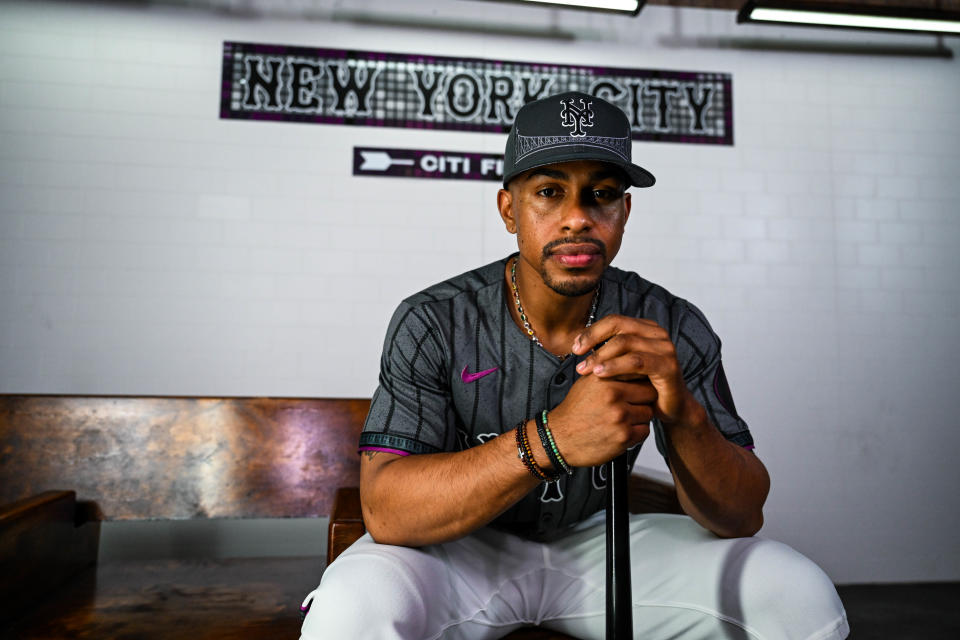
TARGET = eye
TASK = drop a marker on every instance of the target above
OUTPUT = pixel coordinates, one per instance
(548, 192)
(605, 195)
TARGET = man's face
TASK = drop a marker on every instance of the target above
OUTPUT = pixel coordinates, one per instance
(569, 219)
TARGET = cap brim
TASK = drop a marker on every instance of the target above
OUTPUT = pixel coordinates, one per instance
(638, 176)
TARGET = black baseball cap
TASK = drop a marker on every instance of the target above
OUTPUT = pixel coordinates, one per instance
(571, 126)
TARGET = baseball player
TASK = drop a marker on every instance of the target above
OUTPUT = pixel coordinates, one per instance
(503, 391)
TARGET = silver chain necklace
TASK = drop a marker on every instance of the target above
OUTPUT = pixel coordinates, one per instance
(523, 316)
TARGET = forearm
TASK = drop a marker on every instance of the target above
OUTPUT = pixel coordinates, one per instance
(720, 484)
(426, 499)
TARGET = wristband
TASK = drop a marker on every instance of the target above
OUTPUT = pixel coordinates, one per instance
(546, 439)
(525, 453)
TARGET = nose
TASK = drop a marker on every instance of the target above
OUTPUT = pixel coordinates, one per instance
(576, 216)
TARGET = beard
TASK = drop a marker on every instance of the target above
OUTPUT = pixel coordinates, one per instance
(578, 286)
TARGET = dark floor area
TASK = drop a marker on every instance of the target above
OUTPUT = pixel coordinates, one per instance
(903, 611)
(244, 599)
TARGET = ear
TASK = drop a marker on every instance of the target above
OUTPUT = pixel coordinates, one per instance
(626, 207)
(505, 205)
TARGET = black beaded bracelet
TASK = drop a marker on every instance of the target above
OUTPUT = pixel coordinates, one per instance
(546, 439)
(525, 453)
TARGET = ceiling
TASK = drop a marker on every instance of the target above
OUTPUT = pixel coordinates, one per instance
(930, 5)
(937, 5)
(356, 8)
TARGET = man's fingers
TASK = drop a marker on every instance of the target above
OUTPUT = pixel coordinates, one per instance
(641, 393)
(609, 327)
(634, 392)
(640, 432)
(630, 418)
(600, 331)
(628, 366)
(640, 414)
(623, 346)
(613, 346)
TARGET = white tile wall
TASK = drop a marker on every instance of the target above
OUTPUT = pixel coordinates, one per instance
(147, 247)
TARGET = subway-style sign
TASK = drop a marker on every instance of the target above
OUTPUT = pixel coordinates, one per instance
(423, 163)
(374, 89)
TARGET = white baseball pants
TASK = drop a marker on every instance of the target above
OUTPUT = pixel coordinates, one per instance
(687, 583)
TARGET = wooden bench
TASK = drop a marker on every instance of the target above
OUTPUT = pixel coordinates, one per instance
(68, 463)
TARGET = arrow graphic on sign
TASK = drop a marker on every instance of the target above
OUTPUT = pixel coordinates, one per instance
(381, 161)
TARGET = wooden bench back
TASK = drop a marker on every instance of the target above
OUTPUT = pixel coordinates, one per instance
(166, 458)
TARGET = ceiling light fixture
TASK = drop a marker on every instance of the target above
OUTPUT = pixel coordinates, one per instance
(630, 7)
(849, 16)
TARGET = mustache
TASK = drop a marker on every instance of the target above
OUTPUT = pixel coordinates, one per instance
(559, 242)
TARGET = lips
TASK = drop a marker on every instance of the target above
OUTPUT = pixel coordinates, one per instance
(576, 249)
(578, 255)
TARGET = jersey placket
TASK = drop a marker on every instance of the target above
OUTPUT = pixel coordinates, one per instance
(552, 504)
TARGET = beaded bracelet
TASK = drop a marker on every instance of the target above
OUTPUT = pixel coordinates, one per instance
(546, 438)
(525, 453)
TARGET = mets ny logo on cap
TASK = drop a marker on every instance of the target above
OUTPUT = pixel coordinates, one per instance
(576, 117)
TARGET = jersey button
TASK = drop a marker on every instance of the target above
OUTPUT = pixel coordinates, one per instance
(560, 378)
(546, 518)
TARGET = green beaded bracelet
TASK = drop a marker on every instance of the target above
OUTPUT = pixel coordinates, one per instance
(546, 439)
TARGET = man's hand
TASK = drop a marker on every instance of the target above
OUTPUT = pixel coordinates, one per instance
(600, 419)
(639, 350)
(720, 484)
(632, 377)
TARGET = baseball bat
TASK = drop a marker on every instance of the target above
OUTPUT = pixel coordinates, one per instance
(619, 598)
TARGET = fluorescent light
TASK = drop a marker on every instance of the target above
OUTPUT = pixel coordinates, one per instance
(854, 20)
(850, 15)
(626, 6)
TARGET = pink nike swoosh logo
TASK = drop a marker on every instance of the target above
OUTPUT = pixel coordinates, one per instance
(473, 377)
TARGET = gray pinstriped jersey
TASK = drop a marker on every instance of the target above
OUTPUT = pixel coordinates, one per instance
(440, 336)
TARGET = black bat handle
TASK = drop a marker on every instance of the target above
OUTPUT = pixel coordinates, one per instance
(619, 597)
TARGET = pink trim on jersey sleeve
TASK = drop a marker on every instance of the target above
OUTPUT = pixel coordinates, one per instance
(384, 450)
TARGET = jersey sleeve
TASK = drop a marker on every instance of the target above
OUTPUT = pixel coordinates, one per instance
(411, 408)
(698, 352)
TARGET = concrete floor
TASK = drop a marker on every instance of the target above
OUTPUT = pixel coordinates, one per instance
(929, 611)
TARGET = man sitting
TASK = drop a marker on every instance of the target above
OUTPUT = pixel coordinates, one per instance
(503, 391)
